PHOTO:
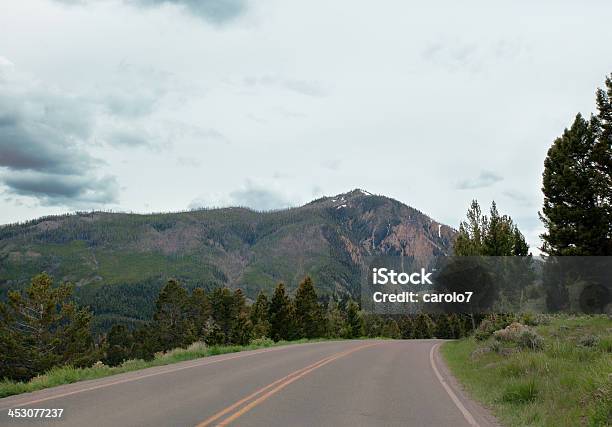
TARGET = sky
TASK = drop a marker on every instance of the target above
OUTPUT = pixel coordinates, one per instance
(168, 105)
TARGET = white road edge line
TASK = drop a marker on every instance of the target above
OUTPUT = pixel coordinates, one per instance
(466, 414)
(127, 380)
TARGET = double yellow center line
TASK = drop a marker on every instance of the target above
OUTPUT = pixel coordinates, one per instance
(247, 403)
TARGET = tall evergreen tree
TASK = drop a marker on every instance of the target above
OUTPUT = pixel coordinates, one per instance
(282, 315)
(119, 345)
(469, 241)
(172, 323)
(242, 328)
(335, 321)
(259, 316)
(391, 329)
(308, 312)
(224, 313)
(493, 235)
(575, 211)
(354, 320)
(199, 312)
(42, 328)
(602, 155)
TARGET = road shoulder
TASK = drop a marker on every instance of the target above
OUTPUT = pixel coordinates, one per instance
(481, 415)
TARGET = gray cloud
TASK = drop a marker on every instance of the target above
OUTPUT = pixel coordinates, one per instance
(519, 198)
(128, 138)
(73, 190)
(214, 11)
(253, 196)
(42, 137)
(484, 179)
(259, 198)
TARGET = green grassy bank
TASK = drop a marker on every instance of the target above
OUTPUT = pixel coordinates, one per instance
(565, 379)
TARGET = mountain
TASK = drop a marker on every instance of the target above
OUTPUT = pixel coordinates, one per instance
(119, 261)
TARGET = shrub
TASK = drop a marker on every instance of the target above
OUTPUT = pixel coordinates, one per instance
(510, 333)
(531, 340)
(490, 324)
(532, 319)
(588, 341)
(484, 330)
(262, 342)
(496, 346)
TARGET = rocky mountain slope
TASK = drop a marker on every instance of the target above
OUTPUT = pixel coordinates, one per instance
(119, 260)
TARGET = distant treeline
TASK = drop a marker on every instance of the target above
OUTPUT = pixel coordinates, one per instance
(43, 327)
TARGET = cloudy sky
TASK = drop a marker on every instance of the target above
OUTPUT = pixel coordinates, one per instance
(165, 105)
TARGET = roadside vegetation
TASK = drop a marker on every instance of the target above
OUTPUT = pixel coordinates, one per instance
(46, 339)
(539, 371)
(70, 374)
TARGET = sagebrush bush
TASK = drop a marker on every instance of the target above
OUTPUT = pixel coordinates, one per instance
(510, 333)
(588, 341)
(262, 342)
(531, 340)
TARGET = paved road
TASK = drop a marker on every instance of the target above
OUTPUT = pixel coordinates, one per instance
(345, 383)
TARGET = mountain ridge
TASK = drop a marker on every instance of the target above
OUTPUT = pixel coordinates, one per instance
(113, 257)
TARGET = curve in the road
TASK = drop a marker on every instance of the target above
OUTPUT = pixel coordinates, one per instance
(280, 384)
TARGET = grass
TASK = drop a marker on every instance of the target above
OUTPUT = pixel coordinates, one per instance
(567, 383)
(67, 374)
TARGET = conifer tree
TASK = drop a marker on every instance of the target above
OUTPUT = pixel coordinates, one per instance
(224, 314)
(259, 316)
(602, 157)
(308, 312)
(575, 194)
(391, 329)
(335, 321)
(171, 319)
(282, 315)
(199, 312)
(406, 327)
(493, 235)
(242, 327)
(41, 328)
(354, 320)
(119, 345)
(423, 327)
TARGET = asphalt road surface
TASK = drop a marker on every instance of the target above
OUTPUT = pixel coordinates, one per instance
(342, 383)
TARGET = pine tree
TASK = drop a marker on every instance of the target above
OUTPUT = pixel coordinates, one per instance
(423, 327)
(119, 345)
(493, 235)
(469, 241)
(574, 211)
(171, 319)
(373, 325)
(406, 327)
(308, 312)
(224, 313)
(354, 320)
(282, 315)
(42, 328)
(602, 156)
(335, 321)
(259, 316)
(199, 312)
(391, 329)
(242, 327)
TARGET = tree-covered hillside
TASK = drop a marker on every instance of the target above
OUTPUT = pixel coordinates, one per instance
(119, 261)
